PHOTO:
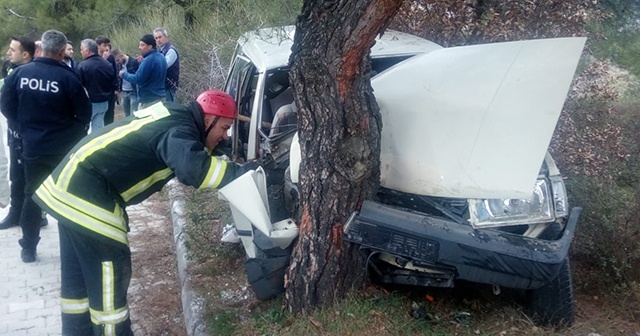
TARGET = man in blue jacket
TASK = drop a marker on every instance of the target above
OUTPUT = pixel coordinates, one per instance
(99, 78)
(47, 102)
(150, 75)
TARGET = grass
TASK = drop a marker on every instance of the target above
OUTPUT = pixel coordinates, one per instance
(357, 315)
(222, 323)
(207, 219)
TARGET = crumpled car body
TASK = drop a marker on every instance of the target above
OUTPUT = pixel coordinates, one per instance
(467, 190)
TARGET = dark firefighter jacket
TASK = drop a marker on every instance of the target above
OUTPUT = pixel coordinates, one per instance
(126, 162)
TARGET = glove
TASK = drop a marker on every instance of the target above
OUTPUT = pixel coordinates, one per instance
(251, 165)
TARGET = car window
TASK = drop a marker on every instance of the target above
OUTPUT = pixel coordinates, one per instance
(380, 64)
(278, 108)
(233, 80)
(241, 86)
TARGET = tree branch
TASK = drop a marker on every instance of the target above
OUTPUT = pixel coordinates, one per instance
(11, 11)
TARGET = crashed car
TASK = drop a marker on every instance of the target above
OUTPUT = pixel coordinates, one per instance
(467, 190)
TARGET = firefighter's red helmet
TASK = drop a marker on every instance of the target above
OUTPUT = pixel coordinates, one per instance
(217, 103)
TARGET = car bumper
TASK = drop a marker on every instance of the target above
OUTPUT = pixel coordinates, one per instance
(479, 255)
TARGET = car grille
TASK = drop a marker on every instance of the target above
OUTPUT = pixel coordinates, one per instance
(392, 241)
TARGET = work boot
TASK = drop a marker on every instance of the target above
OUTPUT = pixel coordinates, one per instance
(10, 221)
(28, 255)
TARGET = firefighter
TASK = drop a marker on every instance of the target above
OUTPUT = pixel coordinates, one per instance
(119, 165)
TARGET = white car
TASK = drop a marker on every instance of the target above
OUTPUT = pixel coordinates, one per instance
(467, 189)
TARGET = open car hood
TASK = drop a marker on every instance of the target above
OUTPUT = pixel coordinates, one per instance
(473, 121)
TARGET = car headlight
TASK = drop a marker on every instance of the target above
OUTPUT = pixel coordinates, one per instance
(509, 211)
(559, 196)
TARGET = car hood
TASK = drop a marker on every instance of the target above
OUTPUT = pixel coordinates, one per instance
(473, 121)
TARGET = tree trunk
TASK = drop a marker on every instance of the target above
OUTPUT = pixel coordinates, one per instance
(189, 11)
(339, 129)
(189, 18)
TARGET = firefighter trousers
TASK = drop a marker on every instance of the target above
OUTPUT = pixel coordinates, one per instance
(95, 278)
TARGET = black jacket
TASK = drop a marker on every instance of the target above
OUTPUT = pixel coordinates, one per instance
(124, 163)
(13, 137)
(49, 105)
(98, 77)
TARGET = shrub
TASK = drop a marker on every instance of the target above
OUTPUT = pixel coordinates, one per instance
(207, 45)
(206, 217)
(607, 240)
(595, 134)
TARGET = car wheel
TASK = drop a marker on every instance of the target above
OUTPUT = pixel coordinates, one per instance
(552, 305)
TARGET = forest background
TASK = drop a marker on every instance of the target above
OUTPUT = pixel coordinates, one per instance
(596, 142)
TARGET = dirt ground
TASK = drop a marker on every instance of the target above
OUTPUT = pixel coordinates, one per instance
(154, 292)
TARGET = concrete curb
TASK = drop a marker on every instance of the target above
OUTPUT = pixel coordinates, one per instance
(192, 305)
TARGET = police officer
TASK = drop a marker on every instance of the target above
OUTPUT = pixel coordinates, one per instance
(47, 102)
(21, 51)
(119, 165)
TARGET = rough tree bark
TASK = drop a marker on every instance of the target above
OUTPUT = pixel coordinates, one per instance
(339, 129)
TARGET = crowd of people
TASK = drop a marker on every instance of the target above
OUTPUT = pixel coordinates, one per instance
(68, 158)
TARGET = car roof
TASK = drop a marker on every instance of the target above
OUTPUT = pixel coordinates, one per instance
(269, 48)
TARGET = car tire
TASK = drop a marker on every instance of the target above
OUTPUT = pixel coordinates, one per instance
(552, 305)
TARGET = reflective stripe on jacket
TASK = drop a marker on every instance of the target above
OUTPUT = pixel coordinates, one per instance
(126, 162)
